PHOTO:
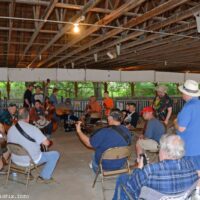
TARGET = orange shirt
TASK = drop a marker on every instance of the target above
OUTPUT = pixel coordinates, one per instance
(108, 105)
(95, 107)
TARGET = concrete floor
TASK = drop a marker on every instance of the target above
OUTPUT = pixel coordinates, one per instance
(73, 176)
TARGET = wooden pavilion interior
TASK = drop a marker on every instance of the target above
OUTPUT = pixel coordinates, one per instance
(160, 35)
(98, 41)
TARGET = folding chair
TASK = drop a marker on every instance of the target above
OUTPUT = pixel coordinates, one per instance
(151, 194)
(18, 150)
(113, 154)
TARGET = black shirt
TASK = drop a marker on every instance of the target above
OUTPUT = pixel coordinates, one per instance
(28, 96)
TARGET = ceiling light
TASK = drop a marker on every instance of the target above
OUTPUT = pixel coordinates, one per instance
(95, 57)
(197, 16)
(76, 28)
(110, 55)
(118, 49)
(72, 65)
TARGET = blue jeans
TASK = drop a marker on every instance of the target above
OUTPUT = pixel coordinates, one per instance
(50, 159)
(94, 164)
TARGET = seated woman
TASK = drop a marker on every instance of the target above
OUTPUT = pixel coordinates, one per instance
(37, 117)
(65, 111)
(93, 111)
(4, 154)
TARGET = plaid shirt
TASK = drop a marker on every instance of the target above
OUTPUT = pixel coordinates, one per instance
(168, 177)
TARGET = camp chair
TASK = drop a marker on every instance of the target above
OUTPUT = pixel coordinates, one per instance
(113, 154)
(20, 151)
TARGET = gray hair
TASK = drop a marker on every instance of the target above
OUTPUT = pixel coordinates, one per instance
(23, 114)
(173, 145)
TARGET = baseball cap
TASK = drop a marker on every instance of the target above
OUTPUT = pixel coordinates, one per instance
(147, 109)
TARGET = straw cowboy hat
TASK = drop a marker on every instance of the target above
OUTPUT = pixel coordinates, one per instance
(161, 88)
(190, 88)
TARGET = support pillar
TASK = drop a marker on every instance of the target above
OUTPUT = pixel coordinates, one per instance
(8, 89)
(105, 86)
(132, 85)
(76, 89)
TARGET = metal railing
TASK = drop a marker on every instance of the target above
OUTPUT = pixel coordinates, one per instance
(79, 105)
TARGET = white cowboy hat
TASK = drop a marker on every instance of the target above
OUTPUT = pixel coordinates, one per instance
(190, 88)
(161, 88)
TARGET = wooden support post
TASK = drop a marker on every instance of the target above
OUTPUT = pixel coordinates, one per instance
(177, 90)
(105, 86)
(8, 89)
(132, 89)
(76, 89)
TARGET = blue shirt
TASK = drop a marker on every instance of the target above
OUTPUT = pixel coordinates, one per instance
(189, 117)
(53, 99)
(107, 138)
(154, 130)
(168, 177)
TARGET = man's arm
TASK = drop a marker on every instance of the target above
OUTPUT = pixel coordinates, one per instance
(179, 128)
(85, 139)
(46, 142)
(169, 113)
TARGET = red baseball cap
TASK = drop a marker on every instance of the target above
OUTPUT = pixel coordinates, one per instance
(147, 109)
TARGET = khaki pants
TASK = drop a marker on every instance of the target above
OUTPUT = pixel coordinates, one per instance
(148, 145)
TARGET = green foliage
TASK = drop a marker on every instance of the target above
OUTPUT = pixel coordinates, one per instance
(86, 89)
(119, 89)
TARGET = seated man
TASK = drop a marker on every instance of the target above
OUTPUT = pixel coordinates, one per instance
(50, 158)
(9, 116)
(93, 110)
(66, 112)
(38, 118)
(172, 175)
(116, 135)
(153, 132)
(132, 117)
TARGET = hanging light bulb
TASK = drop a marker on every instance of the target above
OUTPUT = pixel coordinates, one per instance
(76, 28)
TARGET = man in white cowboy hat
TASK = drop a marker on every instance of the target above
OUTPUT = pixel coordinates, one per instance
(162, 104)
(188, 122)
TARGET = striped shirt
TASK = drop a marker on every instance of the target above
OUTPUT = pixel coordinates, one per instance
(168, 177)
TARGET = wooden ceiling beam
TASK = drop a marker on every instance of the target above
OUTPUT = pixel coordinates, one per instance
(46, 15)
(66, 28)
(11, 14)
(137, 20)
(107, 19)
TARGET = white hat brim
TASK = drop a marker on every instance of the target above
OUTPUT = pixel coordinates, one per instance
(197, 94)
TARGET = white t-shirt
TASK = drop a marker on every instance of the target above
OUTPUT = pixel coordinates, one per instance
(14, 136)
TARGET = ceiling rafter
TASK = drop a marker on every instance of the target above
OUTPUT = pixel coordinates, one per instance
(135, 22)
(107, 19)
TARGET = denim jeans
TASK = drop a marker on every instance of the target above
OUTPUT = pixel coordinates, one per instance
(94, 164)
(50, 159)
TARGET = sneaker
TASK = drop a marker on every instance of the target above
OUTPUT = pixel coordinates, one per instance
(46, 181)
